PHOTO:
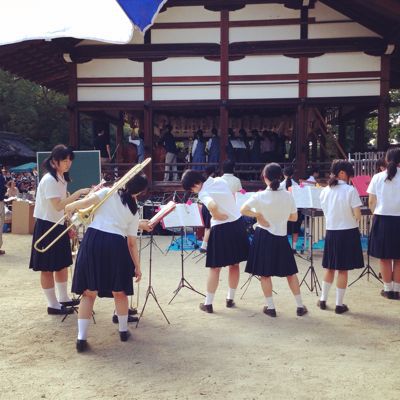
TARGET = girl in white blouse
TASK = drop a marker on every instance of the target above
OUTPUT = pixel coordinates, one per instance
(270, 252)
(384, 202)
(341, 204)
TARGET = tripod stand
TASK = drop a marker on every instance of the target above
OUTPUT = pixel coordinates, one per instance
(183, 283)
(310, 214)
(368, 270)
(150, 290)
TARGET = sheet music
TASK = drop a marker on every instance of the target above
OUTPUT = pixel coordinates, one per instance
(183, 215)
(237, 144)
(307, 196)
(241, 198)
(162, 213)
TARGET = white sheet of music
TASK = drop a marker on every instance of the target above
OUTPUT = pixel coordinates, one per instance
(237, 144)
(307, 196)
(183, 215)
(241, 198)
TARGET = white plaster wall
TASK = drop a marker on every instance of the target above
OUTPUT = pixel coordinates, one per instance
(340, 89)
(338, 30)
(187, 92)
(110, 68)
(256, 65)
(187, 14)
(257, 33)
(190, 66)
(344, 62)
(193, 35)
(263, 11)
(263, 91)
(324, 13)
(110, 93)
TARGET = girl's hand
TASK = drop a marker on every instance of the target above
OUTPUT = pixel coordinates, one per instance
(144, 225)
(262, 221)
(138, 274)
(219, 216)
(69, 210)
(84, 192)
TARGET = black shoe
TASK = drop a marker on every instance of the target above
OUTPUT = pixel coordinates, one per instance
(301, 311)
(132, 311)
(71, 303)
(62, 311)
(131, 318)
(271, 312)
(206, 308)
(124, 336)
(341, 309)
(202, 251)
(294, 251)
(230, 303)
(81, 345)
(396, 296)
(387, 295)
(321, 304)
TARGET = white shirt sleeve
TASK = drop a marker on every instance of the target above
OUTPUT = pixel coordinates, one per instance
(355, 200)
(133, 225)
(102, 193)
(372, 185)
(205, 197)
(209, 144)
(238, 185)
(52, 189)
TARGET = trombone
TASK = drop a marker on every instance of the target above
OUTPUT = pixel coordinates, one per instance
(85, 216)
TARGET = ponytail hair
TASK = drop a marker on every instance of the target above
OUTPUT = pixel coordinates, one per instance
(392, 161)
(59, 153)
(134, 186)
(336, 167)
(273, 173)
(288, 172)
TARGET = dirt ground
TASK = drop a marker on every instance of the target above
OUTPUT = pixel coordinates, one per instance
(232, 354)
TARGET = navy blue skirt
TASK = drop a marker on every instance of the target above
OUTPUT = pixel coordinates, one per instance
(384, 240)
(294, 227)
(103, 264)
(228, 244)
(270, 255)
(343, 250)
(206, 216)
(56, 257)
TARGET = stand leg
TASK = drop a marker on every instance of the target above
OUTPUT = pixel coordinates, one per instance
(314, 282)
(368, 270)
(150, 292)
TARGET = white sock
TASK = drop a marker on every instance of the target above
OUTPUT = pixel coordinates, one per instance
(396, 287)
(269, 301)
(83, 325)
(325, 290)
(62, 290)
(209, 298)
(299, 300)
(51, 298)
(339, 296)
(231, 294)
(123, 323)
(204, 245)
(388, 286)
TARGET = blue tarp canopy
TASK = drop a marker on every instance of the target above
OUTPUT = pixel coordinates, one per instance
(28, 167)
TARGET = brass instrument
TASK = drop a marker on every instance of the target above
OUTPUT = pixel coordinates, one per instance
(85, 216)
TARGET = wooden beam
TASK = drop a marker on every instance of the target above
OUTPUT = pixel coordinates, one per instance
(73, 111)
(224, 91)
(383, 107)
(301, 139)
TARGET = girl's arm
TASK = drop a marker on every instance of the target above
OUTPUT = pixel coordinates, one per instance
(372, 202)
(246, 210)
(59, 204)
(133, 250)
(81, 204)
(216, 214)
(357, 213)
(293, 217)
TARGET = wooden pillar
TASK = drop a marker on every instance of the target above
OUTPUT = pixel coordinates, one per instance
(383, 107)
(224, 70)
(301, 139)
(342, 130)
(359, 133)
(314, 150)
(72, 106)
(119, 136)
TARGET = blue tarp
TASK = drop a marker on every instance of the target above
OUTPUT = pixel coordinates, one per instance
(24, 167)
(142, 12)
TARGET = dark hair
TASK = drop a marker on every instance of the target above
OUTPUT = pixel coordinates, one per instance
(313, 170)
(392, 161)
(134, 186)
(191, 178)
(336, 167)
(210, 171)
(59, 153)
(288, 171)
(273, 172)
(228, 167)
(214, 131)
(379, 164)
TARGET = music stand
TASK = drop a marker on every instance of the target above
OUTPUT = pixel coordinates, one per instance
(314, 282)
(183, 283)
(368, 270)
(150, 290)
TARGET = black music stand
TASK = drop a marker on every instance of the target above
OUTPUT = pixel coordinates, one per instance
(183, 283)
(248, 284)
(368, 270)
(150, 290)
(314, 282)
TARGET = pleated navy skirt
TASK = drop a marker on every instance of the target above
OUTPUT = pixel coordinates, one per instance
(384, 240)
(58, 256)
(270, 255)
(206, 217)
(343, 250)
(103, 264)
(294, 227)
(228, 244)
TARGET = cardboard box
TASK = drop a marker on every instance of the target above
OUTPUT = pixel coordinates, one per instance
(22, 217)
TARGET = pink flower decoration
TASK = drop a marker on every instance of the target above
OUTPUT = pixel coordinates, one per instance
(242, 191)
(189, 202)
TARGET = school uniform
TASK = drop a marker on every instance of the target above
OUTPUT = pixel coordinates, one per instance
(233, 182)
(228, 243)
(59, 255)
(270, 252)
(104, 263)
(384, 240)
(342, 250)
(292, 227)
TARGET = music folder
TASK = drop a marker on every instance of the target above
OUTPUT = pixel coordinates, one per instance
(183, 215)
(162, 212)
(307, 196)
